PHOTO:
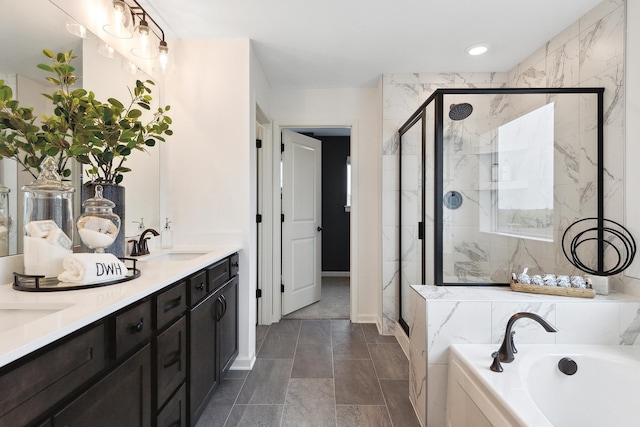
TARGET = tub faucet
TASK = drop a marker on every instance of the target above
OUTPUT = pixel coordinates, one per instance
(142, 243)
(508, 348)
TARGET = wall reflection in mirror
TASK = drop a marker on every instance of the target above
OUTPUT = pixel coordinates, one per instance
(38, 25)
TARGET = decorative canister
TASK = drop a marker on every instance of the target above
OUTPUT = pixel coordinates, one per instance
(98, 226)
(5, 220)
(48, 223)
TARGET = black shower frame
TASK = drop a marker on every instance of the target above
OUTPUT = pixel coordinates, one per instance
(420, 115)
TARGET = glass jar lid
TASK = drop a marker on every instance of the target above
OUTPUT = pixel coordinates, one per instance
(49, 179)
(98, 203)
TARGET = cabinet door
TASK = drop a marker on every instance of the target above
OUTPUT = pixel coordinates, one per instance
(122, 398)
(202, 338)
(228, 326)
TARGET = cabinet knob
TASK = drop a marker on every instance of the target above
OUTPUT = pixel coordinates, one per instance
(137, 328)
(200, 287)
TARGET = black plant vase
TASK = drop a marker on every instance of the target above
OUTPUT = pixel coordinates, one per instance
(115, 193)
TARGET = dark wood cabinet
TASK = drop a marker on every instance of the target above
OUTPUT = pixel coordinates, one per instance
(122, 398)
(153, 363)
(227, 326)
(174, 413)
(202, 339)
(31, 388)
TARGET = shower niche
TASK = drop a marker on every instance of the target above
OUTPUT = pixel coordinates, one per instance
(523, 164)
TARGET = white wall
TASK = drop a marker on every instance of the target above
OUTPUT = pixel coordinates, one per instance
(209, 167)
(360, 109)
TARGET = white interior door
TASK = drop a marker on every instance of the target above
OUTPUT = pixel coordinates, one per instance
(302, 226)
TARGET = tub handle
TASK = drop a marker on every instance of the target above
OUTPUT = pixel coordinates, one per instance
(496, 366)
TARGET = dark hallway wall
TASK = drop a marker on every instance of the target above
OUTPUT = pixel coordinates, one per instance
(335, 221)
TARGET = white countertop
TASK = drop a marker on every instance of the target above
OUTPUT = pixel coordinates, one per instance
(71, 310)
(504, 293)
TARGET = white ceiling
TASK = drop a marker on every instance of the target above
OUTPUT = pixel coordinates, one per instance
(350, 43)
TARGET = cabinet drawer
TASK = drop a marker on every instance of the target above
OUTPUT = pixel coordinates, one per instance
(170, 305)
(197, 287)
(122, 398)
(218, 274)
(175, 413)
(234, 262)
(32, 388)
(171, 359)
(132, 327)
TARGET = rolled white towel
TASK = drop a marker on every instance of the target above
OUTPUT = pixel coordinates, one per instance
(92, 268)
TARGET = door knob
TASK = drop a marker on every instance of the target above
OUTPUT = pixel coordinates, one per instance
(319, 228)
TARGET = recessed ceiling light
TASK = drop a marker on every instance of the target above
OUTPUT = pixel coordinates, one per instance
(477, 49)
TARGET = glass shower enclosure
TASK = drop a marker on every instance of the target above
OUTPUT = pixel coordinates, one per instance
(490, 179)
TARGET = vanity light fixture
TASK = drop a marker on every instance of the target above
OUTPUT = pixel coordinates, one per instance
(122, 24)
(77, 29)
(477, 49)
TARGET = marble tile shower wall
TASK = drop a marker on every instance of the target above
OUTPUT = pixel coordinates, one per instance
(588, 53)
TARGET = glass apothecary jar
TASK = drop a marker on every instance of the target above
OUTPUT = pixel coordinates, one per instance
(48, 223)
(98, 226)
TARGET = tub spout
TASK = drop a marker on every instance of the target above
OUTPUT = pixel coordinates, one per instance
(507, 349)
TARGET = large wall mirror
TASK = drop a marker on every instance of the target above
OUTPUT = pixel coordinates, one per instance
(38, 24)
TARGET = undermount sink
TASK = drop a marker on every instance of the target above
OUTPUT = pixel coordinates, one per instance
(173, 256)
(18, 314)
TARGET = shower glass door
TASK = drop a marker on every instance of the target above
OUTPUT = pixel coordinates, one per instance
(411, 212)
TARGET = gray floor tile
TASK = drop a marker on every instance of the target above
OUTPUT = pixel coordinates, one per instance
(261, 332)
(334, 304)
(348, 340)
(310, 402)
(267, 382)
(255, 416)
(390, 361)
(396, 394)
(372, 336)
(281, 340)
(313, 358)
(362, 416)
(233, 374)
(356, 383)
(215, 416)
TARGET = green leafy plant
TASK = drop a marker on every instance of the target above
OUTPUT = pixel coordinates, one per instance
(100, 135)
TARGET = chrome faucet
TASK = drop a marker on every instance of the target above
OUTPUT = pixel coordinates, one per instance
(508, 348)
(140, 247)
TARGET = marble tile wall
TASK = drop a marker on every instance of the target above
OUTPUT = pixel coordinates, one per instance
(472, 315)
(588, 53)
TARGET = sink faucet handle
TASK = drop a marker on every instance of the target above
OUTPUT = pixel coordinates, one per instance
(135, 250)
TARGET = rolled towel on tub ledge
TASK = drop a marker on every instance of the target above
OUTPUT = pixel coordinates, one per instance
(92, 268)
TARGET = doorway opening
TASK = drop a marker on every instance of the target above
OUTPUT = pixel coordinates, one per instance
(334, 296)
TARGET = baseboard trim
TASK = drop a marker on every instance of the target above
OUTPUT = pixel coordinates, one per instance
(243, 364)
(403, 339)
(336, 274)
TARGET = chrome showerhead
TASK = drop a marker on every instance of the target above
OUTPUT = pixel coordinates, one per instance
(460, 111)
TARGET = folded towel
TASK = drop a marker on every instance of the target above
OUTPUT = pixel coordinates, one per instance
(92, 268)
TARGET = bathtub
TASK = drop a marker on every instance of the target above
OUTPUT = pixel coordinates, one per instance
(605, 390)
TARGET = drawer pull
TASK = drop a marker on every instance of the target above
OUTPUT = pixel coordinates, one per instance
(137, 328)
(173, 359)
(235, 264)
(200, 287)
(172, 304)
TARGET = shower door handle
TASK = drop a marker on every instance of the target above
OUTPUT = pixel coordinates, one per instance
(421, 230)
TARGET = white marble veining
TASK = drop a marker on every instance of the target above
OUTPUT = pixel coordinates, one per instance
(80, 308)
(479, 315)
(588, 53)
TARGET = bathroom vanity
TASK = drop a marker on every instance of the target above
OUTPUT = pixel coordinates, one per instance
(148, 352)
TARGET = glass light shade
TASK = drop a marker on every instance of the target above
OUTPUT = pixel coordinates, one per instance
(144, 47)
(120, 22)
(106, 50)
(129, 66)
(77, 29)
(164, 64)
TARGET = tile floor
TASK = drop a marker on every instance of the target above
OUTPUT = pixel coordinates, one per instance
(317, 373)
(334, 303)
